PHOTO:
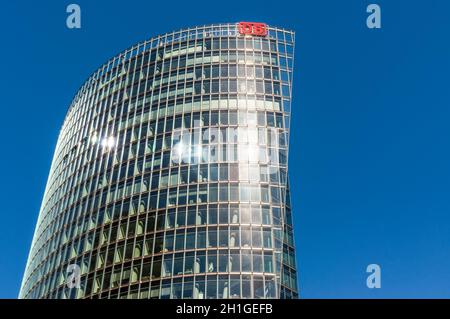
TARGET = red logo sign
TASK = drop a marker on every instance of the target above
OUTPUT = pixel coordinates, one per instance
(253, 28)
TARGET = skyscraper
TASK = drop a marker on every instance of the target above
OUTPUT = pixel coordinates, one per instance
(169, 178)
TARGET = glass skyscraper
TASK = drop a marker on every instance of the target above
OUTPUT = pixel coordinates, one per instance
(169, 178)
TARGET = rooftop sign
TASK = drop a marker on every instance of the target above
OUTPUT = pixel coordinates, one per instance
(253, 28)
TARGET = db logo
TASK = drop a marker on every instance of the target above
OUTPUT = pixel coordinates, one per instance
(253, 28)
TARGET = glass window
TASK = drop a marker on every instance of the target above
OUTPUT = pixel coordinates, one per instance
(212, 287)
(223, 237)
(179, 242)
(258, 287)
(212, 261)
(178, 264)
(235, 287)
(223, 261)
(189, 263)
(246, 261)
(256, 237)
(201, 238)
(190, 238)
(212, 238)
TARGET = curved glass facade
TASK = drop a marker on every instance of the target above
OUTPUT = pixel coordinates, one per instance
(169, 178)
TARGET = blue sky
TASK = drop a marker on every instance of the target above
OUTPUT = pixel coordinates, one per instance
(370, 148)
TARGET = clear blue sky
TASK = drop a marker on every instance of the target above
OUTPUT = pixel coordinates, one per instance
(370, 147)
